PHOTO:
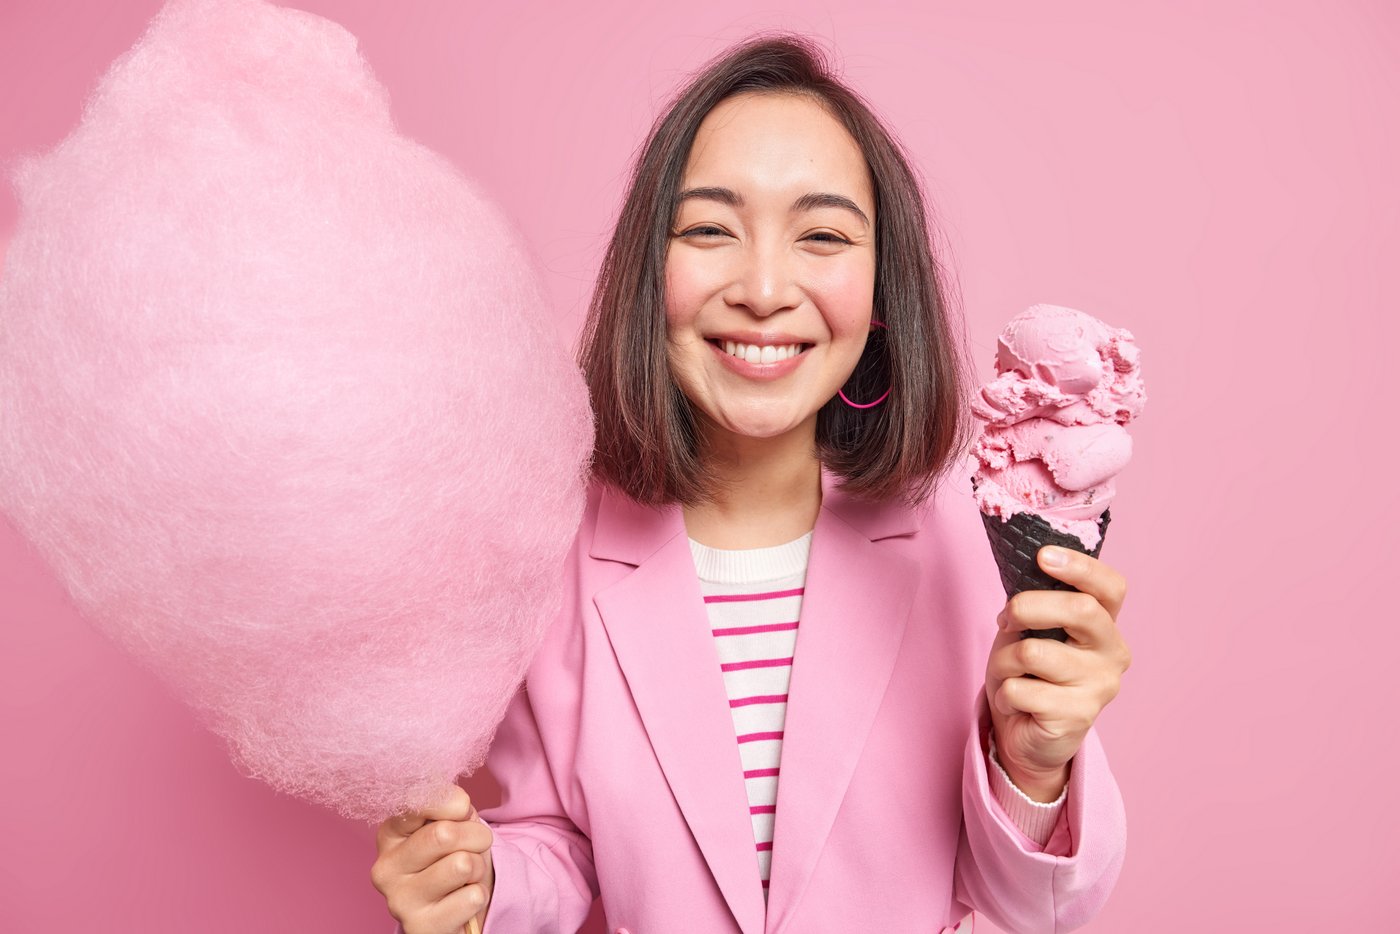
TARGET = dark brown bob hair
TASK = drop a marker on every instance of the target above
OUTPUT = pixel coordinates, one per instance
(647, 437)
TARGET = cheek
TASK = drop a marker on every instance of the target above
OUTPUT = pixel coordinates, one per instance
(684, 291)
(682, 303)
(847, 291)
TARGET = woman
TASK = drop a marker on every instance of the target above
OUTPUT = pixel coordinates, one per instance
(783, 694)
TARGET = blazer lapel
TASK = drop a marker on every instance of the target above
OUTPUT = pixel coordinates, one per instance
(656, 621)
(856, 605)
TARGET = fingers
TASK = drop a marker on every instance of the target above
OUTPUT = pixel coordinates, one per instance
(1086, 574)
(434, 865)
(1045, 658)
(457, 806)
(451, 873)
(1055, 709)
(1085, 618)
(454, 911)
(439, 839)
(1075, 682)
(444, 896)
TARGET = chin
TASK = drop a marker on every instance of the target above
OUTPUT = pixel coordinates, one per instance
(759, 428)
(762, 433)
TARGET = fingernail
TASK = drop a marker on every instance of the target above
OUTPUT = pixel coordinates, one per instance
(1053, 557)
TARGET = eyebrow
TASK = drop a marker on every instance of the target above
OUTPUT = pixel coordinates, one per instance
(809, 201)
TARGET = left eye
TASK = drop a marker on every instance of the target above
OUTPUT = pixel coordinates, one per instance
(822, 237)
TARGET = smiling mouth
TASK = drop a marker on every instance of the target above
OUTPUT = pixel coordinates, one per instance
(754, 353)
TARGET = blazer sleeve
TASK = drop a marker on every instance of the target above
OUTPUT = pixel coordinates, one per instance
(1016, 883)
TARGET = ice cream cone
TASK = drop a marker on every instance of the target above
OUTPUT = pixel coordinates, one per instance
(1052, 439)
(1015, 542)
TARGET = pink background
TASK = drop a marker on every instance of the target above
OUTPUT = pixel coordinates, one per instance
(1217, 177)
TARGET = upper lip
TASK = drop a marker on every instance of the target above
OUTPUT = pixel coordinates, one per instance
(755, 339)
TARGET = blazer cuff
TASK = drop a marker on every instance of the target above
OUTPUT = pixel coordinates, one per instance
(535, 889)
(1065, 829)
(1036, 819)
(1020, 885)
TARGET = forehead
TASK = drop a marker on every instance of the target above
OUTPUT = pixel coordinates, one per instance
(778, 143)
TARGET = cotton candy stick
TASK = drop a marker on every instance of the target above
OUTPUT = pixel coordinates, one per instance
(282, 407)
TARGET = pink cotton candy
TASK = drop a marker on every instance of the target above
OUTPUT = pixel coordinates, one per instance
(281, 405)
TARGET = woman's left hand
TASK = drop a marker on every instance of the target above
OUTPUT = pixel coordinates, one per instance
(1040, 724)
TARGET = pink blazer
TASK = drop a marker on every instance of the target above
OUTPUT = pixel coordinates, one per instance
(621, 773)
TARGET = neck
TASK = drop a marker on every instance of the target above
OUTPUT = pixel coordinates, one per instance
(769, 489)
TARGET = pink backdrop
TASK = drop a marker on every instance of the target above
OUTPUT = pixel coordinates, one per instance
(1217, 177)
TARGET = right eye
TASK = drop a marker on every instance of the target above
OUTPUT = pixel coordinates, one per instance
(707, 230)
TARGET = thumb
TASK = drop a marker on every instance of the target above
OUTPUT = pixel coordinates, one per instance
(455, 804)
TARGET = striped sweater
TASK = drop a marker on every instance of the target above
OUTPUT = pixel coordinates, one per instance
(754, 601)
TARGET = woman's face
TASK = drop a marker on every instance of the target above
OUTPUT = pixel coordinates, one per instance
(770, 273)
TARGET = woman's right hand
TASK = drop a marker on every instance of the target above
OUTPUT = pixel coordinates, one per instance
(434, 867)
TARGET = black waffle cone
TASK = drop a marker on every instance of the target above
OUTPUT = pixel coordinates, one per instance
(1015, 542)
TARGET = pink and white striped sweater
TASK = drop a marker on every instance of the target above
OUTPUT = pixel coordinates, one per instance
(754, 601)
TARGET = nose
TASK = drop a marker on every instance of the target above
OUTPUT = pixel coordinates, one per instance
(765, 280)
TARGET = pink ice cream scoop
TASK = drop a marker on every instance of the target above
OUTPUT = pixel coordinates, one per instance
(1052, 434)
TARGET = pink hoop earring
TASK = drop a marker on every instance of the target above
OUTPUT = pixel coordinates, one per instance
(867, 405)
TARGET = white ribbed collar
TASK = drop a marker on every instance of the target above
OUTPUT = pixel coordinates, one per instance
(750, 565)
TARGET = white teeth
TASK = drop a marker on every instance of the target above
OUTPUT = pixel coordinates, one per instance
(753, 353)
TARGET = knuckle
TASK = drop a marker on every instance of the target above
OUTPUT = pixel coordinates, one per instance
(442, 833)
(1108, 690)
(1008, 688)
(401, 826)
(1120, 587)
(385, 833)
(462, 865)
(377, 877)
(1086, 609)
(479, 837)
(1113, 689)
(1031, 651)
(1083, 723)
